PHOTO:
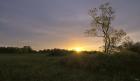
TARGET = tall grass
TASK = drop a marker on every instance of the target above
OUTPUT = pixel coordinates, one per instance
(124, 66)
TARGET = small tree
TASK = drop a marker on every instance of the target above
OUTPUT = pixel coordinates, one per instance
(116, 37)
(127, 44)
(101, 27)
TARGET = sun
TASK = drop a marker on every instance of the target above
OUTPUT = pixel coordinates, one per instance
(78, 49)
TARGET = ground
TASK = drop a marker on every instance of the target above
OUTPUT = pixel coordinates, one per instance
(33, 67)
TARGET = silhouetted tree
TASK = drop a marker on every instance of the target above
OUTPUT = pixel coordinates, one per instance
(55, 52)
(101, 27)
(126, 44)
(116, 37)
(27, 49)
(16, 50)
(129, 45)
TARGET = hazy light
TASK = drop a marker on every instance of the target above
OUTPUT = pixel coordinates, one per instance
(78, 49)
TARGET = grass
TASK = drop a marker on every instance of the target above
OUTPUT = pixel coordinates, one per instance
(31, 67)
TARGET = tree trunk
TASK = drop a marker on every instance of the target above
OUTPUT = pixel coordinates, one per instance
(107, 44)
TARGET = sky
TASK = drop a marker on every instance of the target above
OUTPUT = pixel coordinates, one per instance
(46, 24)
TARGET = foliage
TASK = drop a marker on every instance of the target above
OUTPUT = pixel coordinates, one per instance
(55, 52)
(116, 37)
(13, 50)
(130, 46)
(28, 49)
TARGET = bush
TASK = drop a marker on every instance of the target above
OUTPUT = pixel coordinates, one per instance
(130, 46)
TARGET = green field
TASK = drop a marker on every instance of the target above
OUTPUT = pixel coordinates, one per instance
(31, 67)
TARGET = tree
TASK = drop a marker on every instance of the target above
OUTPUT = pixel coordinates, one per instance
(116, 37)
(126, 44)
(101, 27)
(129, 45)
(27, 49)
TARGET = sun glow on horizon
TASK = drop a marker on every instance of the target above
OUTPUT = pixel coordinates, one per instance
(78, 49)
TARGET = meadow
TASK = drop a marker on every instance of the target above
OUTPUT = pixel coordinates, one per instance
(75, 67)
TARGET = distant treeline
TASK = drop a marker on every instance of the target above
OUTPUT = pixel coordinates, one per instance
(62, 52)
(25, 49)
(55, 52)
(49, 52)
(126, 46)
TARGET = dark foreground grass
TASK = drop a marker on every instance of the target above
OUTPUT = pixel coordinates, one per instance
(70, 68)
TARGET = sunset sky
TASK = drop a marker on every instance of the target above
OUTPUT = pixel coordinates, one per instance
(46, 24)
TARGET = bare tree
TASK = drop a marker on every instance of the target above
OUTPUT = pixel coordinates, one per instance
(116, 36)
(102, 18)
(126, 44)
